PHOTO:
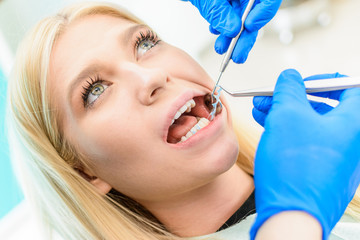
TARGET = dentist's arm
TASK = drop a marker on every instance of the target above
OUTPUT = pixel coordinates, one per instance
(294, 225)
(224, 17)
(306, 162)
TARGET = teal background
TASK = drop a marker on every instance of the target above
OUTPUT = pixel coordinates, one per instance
(10, 192)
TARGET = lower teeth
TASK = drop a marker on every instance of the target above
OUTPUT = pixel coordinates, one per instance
(202, 122)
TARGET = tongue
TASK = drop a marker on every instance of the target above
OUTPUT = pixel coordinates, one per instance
(180, 128)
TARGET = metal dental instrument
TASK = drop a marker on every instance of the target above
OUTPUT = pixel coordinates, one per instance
(314, 86)
(233, 42)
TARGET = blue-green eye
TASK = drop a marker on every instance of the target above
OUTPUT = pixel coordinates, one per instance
(96, 90)
(145, 42)
(143, 47)
(93, 90)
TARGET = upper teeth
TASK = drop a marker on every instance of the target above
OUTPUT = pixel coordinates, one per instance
(186, 108)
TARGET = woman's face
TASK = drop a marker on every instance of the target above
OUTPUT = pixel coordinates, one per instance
(117, 89)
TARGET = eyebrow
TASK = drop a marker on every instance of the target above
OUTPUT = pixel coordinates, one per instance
(96, 67)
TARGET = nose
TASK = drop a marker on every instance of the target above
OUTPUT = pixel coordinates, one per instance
(152, 84)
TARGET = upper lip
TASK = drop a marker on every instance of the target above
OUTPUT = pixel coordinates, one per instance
(177, 104)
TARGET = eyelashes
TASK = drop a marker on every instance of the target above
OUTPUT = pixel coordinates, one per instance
(96, 86)
(93, 89)
(144, 42)
(87, 88)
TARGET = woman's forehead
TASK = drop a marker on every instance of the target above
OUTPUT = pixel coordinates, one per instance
(94, 24)
(84, 36)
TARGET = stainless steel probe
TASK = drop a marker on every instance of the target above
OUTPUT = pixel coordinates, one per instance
(233, 42)
(314, 86)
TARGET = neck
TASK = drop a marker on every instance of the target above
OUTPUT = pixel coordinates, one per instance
(206, 209)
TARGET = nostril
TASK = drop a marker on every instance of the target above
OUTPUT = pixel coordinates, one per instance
(153, 92)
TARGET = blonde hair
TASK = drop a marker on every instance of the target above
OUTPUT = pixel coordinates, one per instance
(63, 199)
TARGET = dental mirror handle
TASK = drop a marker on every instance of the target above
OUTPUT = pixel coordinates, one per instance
(233, 42)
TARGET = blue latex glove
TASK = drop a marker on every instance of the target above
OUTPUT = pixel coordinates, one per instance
(262, 105)
(305, 160)
(224, 17)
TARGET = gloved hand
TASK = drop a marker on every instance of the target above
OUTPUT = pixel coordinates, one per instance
(262, 105)
(307, 161)
(224, 17)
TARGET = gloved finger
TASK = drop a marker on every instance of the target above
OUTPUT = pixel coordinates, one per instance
(259, 116)
(349, 103)
(239, 6)
(222, 17)
(222, 44)
(243, 46)
(213, 30)
(335, 95)
(320, 107)
(261, 14)
(324, 76)
(290, 90)
(262, 104)
(245, 42)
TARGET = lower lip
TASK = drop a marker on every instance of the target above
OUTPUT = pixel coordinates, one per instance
(208, 132)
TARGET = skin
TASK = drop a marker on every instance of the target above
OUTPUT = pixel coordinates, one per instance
(192, 188)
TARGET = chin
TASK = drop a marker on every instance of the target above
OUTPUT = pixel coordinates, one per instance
(224, 156)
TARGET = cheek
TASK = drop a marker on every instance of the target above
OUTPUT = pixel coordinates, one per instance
(225, 104)
(103, 140)
(129, 159)
(117, 149)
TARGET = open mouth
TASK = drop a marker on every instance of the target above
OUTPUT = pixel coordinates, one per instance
(191, 118)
